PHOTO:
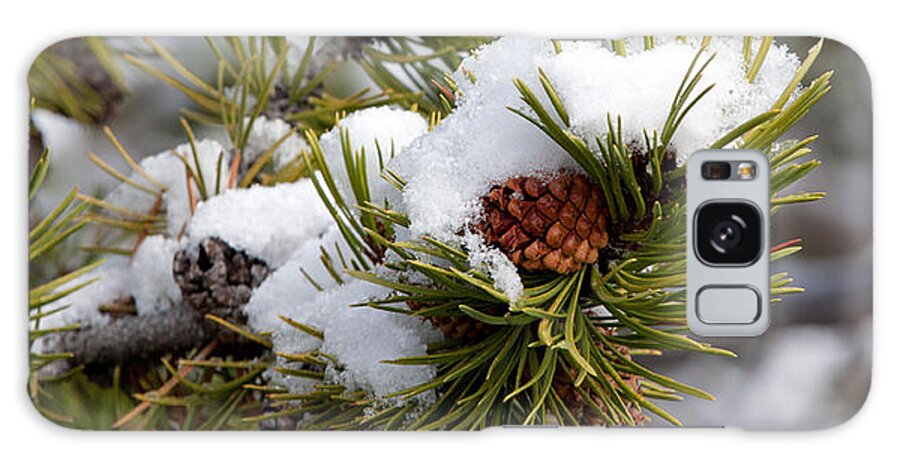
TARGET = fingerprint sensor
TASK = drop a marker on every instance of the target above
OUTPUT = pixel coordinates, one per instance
(728, 304)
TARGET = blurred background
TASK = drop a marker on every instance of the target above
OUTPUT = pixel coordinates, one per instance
(811, 370)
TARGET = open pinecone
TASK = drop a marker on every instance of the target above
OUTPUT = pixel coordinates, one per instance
(555, 224)
(216, 278)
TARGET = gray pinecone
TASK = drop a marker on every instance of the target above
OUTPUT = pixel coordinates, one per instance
(216, 278)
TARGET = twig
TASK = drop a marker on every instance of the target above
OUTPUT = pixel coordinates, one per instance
(232, 172)
(167, 387)
(190, 189)
(139, 337)
(786, 244)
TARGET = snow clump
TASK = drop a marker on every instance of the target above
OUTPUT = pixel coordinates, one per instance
(483, 143)
(360, 338)
(384, 128)
(264, 134)
(266, 222)
(167, 169)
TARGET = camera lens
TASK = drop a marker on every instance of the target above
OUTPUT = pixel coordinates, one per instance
(716, 170)
(728, 233)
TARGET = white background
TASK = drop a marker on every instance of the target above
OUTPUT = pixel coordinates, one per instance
(27, 28)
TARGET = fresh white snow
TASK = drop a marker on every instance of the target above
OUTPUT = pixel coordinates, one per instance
(147, 277)
(266, 222)
(389, 129)
(168, 169)
(483, 143)
(447, 171)
(264, 134)
(359, 337)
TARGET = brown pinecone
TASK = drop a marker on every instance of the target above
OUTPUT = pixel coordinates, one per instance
(216, 278)
(563, 384)
(556, 224)
(640, 161)
(462, 328)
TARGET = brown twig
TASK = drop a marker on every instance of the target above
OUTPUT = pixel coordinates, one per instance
(233, 170)
(154, 210)
(189, 181)
(789, 243)
(166, 387)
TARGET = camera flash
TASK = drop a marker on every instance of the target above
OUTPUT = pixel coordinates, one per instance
(746, 170)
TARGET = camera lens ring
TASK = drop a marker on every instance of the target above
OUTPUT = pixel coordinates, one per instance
(740, 244)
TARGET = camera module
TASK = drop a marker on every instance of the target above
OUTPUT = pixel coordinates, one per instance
(728, 233)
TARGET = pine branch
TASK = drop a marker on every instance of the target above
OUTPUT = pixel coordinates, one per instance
(138, 337)
(128, 338)
(419, 66)
(247, 86)
(548, 357)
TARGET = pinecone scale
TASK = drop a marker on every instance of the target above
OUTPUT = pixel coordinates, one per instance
(552, 224)
(216, 278)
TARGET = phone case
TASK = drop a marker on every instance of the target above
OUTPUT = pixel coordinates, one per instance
(435, 233)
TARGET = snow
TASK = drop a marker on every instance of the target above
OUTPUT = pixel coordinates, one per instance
(501, 270)
(482, 143)
(369, 129)
(264, 134)
(447, 171)
(150, 275)
(169, 170)
(360, 338)
(593, 82)
(82, 305)
(147, 276)
(266, 222)
(287, 283)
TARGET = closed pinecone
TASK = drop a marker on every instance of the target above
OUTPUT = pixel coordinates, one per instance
(556, 224)
(462, 328)
(216, 278)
